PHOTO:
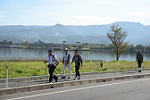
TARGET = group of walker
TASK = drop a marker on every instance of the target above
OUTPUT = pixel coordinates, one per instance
(53, 61)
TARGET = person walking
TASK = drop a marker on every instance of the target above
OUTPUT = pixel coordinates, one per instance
(139, 58)
(66, 62)
(53, 62)
(78, 62)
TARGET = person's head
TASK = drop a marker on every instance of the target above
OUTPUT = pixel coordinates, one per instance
(66, 50)
(75, 51)
(139, 51)
(50, 51)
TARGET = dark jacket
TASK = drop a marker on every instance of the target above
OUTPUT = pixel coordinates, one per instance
(77, 59)
(139, 57)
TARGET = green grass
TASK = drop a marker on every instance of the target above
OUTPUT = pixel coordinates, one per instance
(38, 68)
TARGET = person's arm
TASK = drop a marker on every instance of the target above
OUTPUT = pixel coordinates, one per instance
(57, 60)
(137, 57)
(80, 59)
(63, 60)
(46, 61)
(142, 57)
(73, 59)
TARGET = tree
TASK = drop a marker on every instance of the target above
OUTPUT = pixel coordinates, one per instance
(77, 45)
(117, 37)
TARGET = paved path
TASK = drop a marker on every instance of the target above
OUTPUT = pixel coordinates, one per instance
(102, 75)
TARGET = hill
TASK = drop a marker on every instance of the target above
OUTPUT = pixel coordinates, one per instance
(137, 33)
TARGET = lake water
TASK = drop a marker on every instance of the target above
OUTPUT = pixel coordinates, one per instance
(29, 54)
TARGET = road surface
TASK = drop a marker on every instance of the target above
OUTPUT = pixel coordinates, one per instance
(138, 89)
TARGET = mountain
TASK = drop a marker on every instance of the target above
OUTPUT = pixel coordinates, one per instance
(137, 33)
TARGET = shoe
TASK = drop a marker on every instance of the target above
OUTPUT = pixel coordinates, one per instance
(56, 79)
(75, 78)
(78, 78)
(69, 77)
(139, 71)
(63, 77)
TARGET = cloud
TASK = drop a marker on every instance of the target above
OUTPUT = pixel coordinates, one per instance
(86, 20)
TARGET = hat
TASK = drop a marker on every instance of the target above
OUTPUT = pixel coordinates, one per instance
(50, 50)
(66, 49)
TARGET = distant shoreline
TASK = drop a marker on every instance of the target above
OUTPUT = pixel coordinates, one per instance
(60, 48)
(25, 47)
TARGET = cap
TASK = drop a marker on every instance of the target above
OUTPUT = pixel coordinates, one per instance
(50, 50)
(66, 49)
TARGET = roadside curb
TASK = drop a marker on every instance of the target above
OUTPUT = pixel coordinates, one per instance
(23, 89)
(24, 79)
(33, 78)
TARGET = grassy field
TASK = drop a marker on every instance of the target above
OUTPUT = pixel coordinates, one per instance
(38, 68)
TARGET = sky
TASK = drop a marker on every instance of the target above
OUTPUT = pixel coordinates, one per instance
(73, 12)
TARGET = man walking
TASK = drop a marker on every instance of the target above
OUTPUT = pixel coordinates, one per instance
(66, 62)
(53, 62)
(78, 62)
(139, 58)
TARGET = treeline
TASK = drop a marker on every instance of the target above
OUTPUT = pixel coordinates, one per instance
(78, 45)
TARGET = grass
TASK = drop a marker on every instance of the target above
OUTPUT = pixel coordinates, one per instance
(38, 68)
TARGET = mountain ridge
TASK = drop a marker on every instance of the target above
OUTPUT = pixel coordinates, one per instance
(71, 34)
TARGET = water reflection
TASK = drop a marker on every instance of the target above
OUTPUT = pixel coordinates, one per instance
(29, 54)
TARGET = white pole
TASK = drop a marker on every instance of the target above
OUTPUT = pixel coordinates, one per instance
(6, 75)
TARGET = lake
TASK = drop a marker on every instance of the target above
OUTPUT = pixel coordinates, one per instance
(30, 54)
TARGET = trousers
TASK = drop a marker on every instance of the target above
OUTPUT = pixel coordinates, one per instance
(77, 67)
(139, 64)
(51, 73)
(64, 67)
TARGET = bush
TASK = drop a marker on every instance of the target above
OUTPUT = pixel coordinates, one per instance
(19, 71)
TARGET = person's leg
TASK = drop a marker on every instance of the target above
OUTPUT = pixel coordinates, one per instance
(139, 66)
(55, 77)
(51, 74)
(69, 69)
(77, 72)
(63, 71)
(51, 70)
